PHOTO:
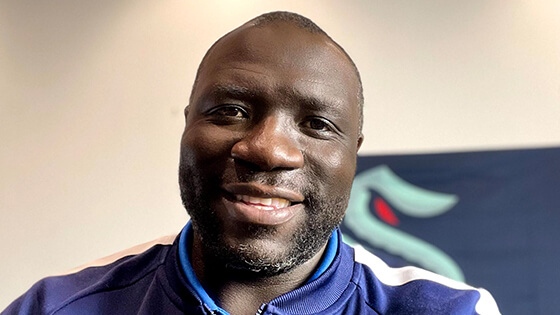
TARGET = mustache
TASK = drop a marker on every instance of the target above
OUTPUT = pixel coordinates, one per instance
(277, 180)
(296, 180)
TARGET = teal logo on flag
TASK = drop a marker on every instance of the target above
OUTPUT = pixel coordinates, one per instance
(381, 230)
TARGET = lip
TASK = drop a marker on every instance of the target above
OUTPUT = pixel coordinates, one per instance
(263, 191)
(245, 212)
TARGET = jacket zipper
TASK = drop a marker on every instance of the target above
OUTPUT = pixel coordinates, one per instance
(261, 309)
(216, 312)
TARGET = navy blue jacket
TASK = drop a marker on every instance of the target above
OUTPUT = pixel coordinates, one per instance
(154, 281)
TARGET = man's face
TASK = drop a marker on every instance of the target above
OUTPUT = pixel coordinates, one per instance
(269, 150)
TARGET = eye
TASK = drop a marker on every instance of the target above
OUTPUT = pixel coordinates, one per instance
(230, 111)
(320, 128)
(318, 124)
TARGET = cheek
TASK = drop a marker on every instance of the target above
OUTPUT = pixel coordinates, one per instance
(202, 145)
(335, 167)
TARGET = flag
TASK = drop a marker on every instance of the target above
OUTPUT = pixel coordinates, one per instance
(491, 219)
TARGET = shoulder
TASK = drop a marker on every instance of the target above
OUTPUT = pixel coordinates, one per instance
(113, 272)
(411, 290)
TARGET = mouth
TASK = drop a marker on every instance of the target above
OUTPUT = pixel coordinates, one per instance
(261, 204)
(267, 204)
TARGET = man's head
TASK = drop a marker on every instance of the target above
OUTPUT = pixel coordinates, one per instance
(269, 149)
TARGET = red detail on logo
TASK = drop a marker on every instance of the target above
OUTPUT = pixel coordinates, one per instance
(384, 211)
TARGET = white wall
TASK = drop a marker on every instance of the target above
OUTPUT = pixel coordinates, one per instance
(92, 93)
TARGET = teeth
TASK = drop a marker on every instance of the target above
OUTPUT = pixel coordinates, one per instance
(264, 203)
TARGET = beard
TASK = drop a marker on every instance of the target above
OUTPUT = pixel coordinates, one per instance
(323, 212)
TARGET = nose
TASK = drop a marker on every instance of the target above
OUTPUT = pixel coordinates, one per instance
(269, 146)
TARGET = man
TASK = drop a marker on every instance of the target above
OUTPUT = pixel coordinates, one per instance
(268, 157)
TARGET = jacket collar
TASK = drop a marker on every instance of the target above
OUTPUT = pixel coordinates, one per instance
(324, 287)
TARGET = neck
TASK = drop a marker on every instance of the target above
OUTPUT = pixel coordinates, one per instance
(245, 294)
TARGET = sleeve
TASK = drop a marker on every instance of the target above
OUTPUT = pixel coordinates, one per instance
(31, 302)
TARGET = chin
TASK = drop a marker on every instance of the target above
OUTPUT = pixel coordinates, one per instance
(264, 254)
(263, 259)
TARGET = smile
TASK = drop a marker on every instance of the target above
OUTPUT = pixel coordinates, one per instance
(260, 204)
(264, 203)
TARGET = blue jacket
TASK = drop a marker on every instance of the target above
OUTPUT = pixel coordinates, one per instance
(156, 279)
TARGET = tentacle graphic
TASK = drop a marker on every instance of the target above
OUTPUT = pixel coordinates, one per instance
(409, 199)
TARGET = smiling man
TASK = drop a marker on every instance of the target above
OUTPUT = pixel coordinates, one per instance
(268, 156)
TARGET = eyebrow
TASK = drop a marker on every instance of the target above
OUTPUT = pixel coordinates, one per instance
(232, 90)
(314, 103)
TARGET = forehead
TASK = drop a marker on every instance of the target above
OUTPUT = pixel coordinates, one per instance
(281, 57)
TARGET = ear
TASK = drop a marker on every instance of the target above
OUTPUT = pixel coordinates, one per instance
(186, 112)
(360, 141)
